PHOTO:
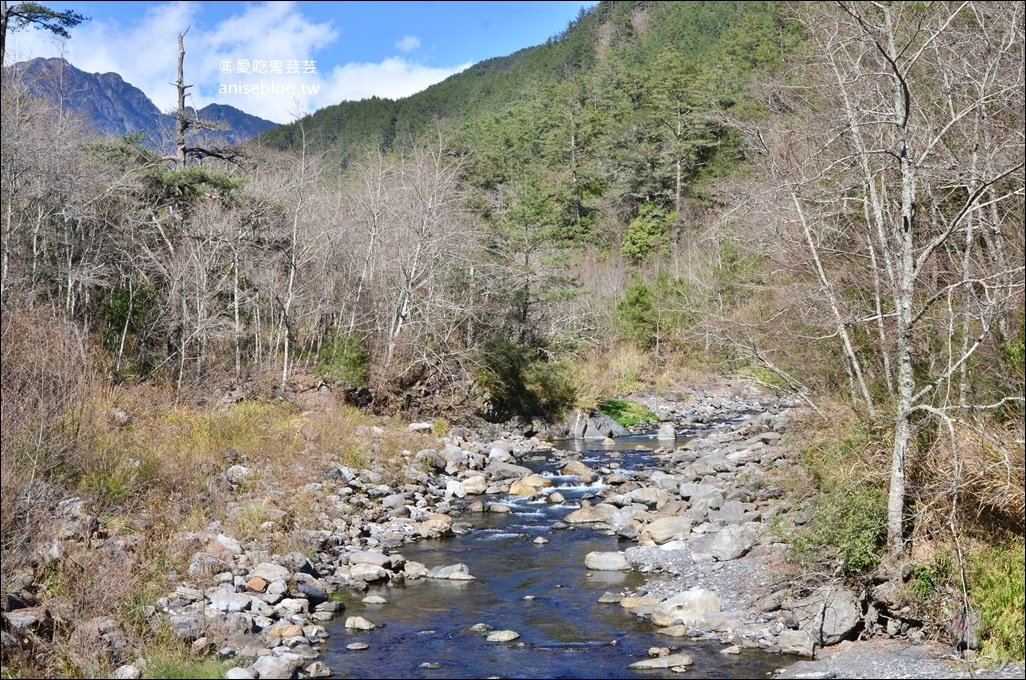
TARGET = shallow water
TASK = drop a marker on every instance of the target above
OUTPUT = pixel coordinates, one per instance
(564, 632)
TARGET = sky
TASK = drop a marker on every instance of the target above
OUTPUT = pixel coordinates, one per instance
(279, 60)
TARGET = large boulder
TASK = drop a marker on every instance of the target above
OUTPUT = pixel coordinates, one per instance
(597, 426)
(666, 529)
(591, 513)
(796, 642)
(829, 615)
(732, 542)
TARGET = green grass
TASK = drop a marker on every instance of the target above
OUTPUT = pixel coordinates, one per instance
(626, 412)
(175, 665)
(997, 583)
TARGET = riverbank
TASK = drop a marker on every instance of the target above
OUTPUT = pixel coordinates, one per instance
(702, 519)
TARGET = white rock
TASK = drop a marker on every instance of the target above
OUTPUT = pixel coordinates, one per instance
(607, 561)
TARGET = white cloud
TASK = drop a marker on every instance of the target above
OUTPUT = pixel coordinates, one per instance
(393, 78)
(145, 54)
(408, 43)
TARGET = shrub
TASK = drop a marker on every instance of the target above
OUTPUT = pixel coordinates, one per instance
(344, 361)
(518, 380)
(626, 412)
(847, 526)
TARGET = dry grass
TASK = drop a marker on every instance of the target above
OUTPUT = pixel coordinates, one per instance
(151, 468)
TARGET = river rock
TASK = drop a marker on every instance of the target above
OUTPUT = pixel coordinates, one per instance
(639, 606)
(414, 570)
(474, 485)
(796, 642)
(126, 672)
(502, 636)
(317, 669)
(686, 607)
(522, 488)
(584, 473)
(649, 496)
(667, 432)
(228, 601)
(369, 573)
(454, 572)
(607, 561)
(669, 661)
(808, 670)
(829, 615)
(499, 471)
(591, 513)
(665, 529)
(374, 557)
(240, 674)
(272, 667)
(358, 623)
(269, 571)
(732, 542)
(185, 626)
(436, 525)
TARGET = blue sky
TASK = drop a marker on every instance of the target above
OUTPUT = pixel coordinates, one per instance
(278, 59)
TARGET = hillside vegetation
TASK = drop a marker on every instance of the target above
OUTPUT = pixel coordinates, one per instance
(825, 198)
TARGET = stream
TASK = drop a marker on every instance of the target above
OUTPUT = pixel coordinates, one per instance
(543, 592)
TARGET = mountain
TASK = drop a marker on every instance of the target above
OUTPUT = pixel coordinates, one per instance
(623, 35)
(113, 107)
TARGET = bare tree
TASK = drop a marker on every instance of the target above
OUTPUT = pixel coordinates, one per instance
(905, 185)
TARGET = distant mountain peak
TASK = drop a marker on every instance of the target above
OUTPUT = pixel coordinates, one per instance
(111, 106)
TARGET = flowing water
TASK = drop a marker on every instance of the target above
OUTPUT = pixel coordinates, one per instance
(543, 592)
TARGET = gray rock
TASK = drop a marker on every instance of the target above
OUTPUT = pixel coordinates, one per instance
(666, 432)
(297, 561)
(269, 571)
(502, 636)
(796, 642)
(666, 529)
(240, 674)
(732, 512)
(185, 626)
(829, 615)
(229, 601)
(369, 557)
(317, 669)
(964, 629)
(808, 669)
(267, 667)
(292, 605)
(500, 471)
(126, 672)
(732, 542)
(236, 474)
(340, 473)
(315, 594)
(591, 513)
(607, 561)
(454, 572)
(367, 572)
(602, 426)
(359, 623)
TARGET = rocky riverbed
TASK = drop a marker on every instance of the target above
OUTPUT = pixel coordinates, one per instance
(699, 520)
